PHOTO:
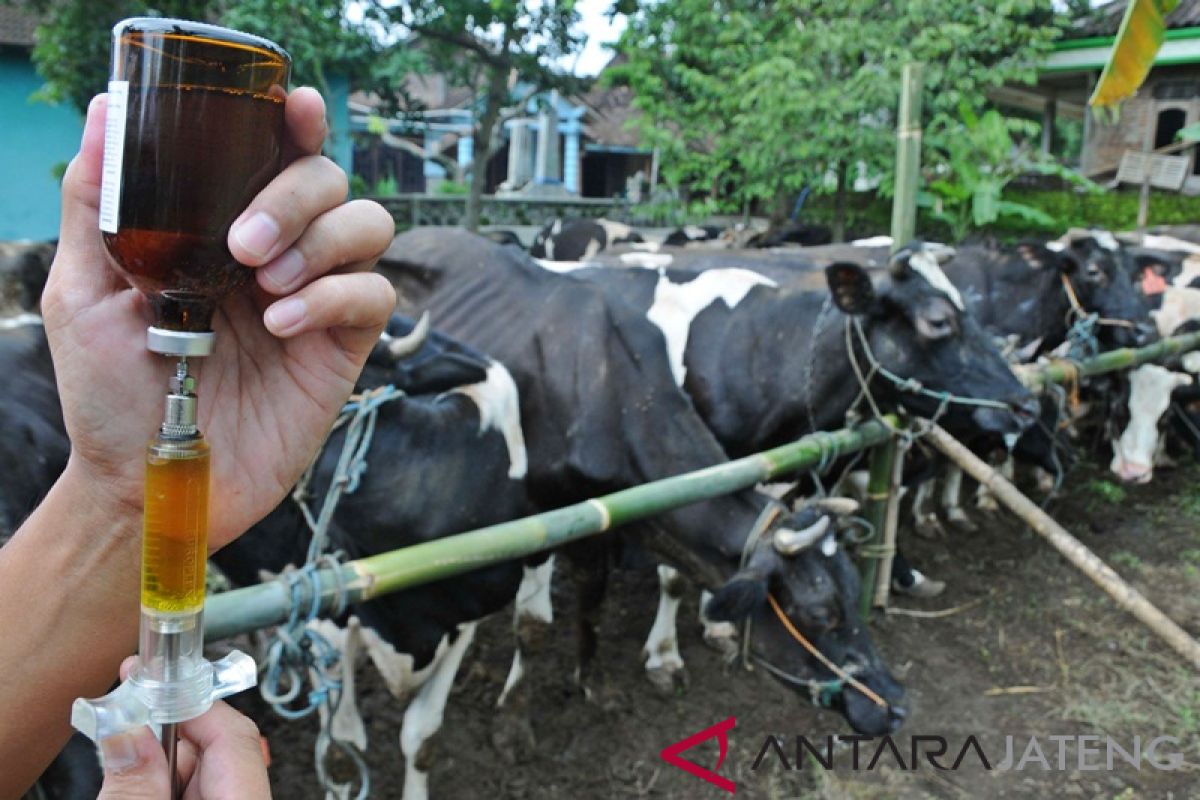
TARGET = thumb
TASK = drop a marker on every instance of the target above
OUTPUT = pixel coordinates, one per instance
(80, 270)
(134, 767)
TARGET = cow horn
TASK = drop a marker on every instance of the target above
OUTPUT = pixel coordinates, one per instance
(838, 506)
(405, 346)
(789, 542)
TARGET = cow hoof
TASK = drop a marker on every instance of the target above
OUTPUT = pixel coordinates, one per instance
(512, 737)
(958, 518)
(668, 679)
(725, 644)
(929, 526)
(987, 504)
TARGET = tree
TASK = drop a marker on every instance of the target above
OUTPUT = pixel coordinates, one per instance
(749, 102)
(503, 51)
(73, 41)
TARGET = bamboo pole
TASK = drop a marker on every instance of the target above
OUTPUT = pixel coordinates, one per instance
(254, 607)
(1111, 361)
(879, 481)
(908, 157)
(891, 525)
(1074, 550)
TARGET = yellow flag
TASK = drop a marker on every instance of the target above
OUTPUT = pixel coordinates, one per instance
(1138, 40)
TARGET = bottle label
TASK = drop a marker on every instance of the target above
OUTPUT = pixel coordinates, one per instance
(114, 154)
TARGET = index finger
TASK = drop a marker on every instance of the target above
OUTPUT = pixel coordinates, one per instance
(304, 118)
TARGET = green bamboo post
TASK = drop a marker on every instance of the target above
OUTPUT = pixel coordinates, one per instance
(251, 608)
(879, 483)
(908, 157)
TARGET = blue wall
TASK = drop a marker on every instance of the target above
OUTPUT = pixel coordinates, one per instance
(34, 137)
(340, 146)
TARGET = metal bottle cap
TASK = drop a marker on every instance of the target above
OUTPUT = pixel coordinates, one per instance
(179, 343)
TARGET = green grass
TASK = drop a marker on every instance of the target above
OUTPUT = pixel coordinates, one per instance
(1107, 491)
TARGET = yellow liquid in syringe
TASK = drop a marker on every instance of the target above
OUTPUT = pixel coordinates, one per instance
(175, 532)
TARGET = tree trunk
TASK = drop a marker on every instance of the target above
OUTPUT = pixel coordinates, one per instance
(839, 205)
(493, 103)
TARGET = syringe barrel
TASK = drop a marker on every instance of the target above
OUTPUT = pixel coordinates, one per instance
(175, 531)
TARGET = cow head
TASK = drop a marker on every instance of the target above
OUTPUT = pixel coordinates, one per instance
(917, 328)
(1096, 265)
(1150, 389)
(800, 564)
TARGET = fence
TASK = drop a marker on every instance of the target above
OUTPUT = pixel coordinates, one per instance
(251, 608)
(418, 210)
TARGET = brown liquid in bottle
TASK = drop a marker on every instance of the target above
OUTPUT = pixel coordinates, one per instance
(203, 135)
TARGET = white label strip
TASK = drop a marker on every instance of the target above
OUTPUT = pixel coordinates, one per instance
(114, 155)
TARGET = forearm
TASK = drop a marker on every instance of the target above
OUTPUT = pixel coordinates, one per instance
(68, 615)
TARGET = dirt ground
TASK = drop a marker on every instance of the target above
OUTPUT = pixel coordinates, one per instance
(1037, 650)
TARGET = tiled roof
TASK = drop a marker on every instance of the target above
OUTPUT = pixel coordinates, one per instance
(1106, 19)
(16, 26)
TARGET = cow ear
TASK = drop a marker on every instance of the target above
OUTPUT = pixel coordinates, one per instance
(741, 595)
(851, 287)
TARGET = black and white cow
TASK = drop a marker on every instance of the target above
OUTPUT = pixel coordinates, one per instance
(765, 364)
(24, 267)
(692, 234)
(447, 457)
(601, 412)
(34, 445)
(575, 239)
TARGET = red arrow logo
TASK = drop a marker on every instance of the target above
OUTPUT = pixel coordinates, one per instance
(721, 732)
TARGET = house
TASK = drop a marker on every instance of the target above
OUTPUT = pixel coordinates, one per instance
(1166, 102)
(594, 153)
(36, 139)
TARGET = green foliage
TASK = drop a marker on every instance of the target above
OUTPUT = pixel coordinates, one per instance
(453, 188)
(750, 101)
(74, 41)
(386, 187)
(1107, 491)
(975, 161)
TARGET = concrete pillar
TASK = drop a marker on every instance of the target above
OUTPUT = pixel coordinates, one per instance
(547, 169)
(435, 173)
(466, 150)
(571, 156)
(1048, 113)
(519, 156)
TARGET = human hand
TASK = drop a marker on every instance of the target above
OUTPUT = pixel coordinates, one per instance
(288, 349)
(220, 757)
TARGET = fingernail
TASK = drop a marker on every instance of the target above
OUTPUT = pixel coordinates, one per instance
(283, 271)
(285, 315)
(257, 234)
(118, 753)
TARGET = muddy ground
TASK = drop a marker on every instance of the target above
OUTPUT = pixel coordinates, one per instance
(1037, 651)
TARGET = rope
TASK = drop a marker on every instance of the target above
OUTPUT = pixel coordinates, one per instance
(842, 674)
(766, 518)
(298, 653)
(907, 385)
(1082, 324)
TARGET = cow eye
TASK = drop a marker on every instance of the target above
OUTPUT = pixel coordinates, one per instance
(1097, 275)
(936, 322)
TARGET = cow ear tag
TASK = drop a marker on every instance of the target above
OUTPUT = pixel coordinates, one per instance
(851, 287)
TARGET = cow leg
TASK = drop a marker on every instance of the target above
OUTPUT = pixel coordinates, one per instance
(926, 519)
(1045, 480)
(532, 614)
(512, 730)
(984, 499)
(347, 725)
(591, 582)
(664, 665)
(951, 491)
(423, 717)
(720, 636)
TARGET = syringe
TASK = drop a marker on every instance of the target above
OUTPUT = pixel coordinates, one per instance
(172, 682)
